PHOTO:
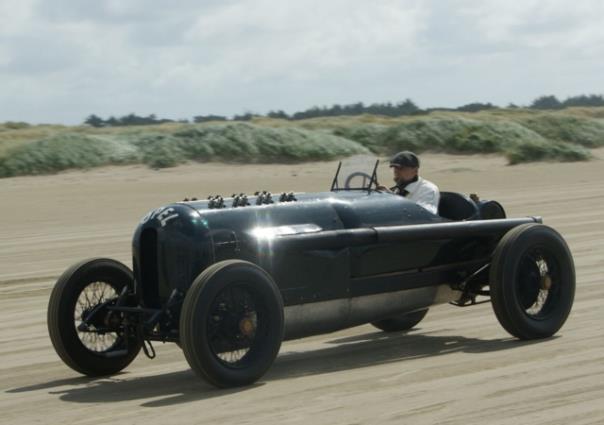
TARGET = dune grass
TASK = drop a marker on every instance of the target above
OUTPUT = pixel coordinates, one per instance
(582, 131)
(65, 151)
(243, 143)
(521, 135)
(516, 142)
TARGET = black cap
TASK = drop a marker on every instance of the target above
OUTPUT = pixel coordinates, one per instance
(405, 159)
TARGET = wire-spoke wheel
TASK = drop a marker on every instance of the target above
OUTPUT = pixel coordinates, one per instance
(95, 338)
(538, 283)
(85, 334)
(532, 281)
(231, 323)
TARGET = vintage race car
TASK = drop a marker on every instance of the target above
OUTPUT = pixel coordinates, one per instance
(228, 279)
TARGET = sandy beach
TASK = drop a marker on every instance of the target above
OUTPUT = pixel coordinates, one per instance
(457, 367)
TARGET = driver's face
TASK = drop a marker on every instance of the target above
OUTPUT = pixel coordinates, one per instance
(404, 174)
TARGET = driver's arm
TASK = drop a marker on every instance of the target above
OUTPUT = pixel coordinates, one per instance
(382, 188)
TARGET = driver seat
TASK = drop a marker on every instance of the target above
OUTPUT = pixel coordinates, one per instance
(455, 206)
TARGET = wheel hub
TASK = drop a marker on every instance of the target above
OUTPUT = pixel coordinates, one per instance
(247, 327)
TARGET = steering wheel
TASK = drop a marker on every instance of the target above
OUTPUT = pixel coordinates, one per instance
(357, 174)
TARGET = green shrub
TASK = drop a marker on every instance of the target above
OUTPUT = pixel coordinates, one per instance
(460, 135)
(242, 142)
(159, 150)
(368, 135)
(583, 131)
(14, 125)
(453, 135)
(531, 152)
(519, 135)
(60, 153)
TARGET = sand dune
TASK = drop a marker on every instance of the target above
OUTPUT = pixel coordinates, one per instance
(458, 367)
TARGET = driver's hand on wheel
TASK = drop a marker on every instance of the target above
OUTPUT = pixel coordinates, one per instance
(382, 188)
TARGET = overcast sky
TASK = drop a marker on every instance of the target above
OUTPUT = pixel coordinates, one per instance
(61, 60)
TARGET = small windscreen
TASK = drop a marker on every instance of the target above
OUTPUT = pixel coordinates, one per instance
(356, 173)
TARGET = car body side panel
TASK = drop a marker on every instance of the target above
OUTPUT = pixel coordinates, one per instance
(174, 244)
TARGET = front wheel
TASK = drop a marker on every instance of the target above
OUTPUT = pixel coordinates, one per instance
(231, 323)
(532, 281)
(88, 337)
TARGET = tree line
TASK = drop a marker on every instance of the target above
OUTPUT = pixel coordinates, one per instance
(404, 108)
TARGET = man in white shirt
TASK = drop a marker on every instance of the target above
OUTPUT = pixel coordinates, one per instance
(405, 168)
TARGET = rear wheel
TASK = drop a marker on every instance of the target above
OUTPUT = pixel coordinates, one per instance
(403, 322)
(86, 336)
(231, 324)
(532, 281)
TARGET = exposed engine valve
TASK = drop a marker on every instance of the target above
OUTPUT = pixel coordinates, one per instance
(240, 200)
(215, 202)
(287, 197)
(264, 197)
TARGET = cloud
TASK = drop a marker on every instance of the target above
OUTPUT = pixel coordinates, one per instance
(540, 24)
(62, 60)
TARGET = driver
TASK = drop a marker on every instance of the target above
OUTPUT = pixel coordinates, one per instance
(405, 168)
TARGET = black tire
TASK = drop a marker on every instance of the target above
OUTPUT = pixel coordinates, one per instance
(235, 309)
(72, 346)
(532, 281)
(403, 322)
